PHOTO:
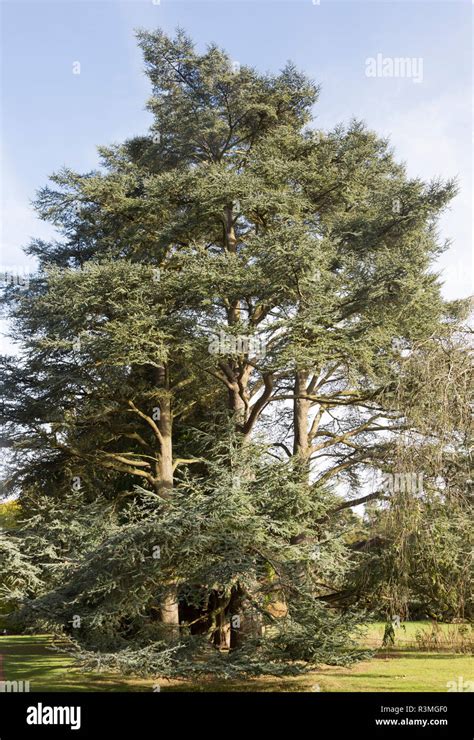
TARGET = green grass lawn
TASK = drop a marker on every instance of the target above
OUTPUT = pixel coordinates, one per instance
(423, 635)
(399, 668)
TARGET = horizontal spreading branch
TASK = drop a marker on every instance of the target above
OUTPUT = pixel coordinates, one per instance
(186, 461)
(377, 495)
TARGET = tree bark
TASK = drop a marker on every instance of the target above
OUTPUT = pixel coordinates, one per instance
(169, 611)
(169, 608)
(165, 457)
(248, 622)
(301, 408)
(222, 631)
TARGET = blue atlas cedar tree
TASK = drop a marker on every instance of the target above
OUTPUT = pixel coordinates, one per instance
(179, 510)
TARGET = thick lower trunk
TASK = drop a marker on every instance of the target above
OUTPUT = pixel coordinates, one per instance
(169, 607)
(222, 628)
(169, 612)
(245, 621)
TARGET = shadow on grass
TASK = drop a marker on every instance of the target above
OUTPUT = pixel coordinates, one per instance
(30, 658)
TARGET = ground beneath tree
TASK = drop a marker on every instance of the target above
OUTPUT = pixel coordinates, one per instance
(400, 668)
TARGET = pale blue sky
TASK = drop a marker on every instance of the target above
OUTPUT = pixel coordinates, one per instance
(51, 117)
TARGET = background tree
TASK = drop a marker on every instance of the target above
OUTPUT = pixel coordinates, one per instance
(420, 562)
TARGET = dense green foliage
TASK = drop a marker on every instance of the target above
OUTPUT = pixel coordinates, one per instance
(215, 340)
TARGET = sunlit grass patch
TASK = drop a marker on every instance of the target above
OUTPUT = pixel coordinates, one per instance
(30, 658)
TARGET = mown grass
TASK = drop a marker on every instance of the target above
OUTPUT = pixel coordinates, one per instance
(29, 658)
(424, 635)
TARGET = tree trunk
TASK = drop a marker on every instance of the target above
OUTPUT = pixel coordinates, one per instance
(244, 620)
(169, 612)
(165, 457)
(301, 443)
(169, 608)
(222, 631)
(301, 408)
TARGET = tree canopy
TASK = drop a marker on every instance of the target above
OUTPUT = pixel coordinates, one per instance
(237, 315)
